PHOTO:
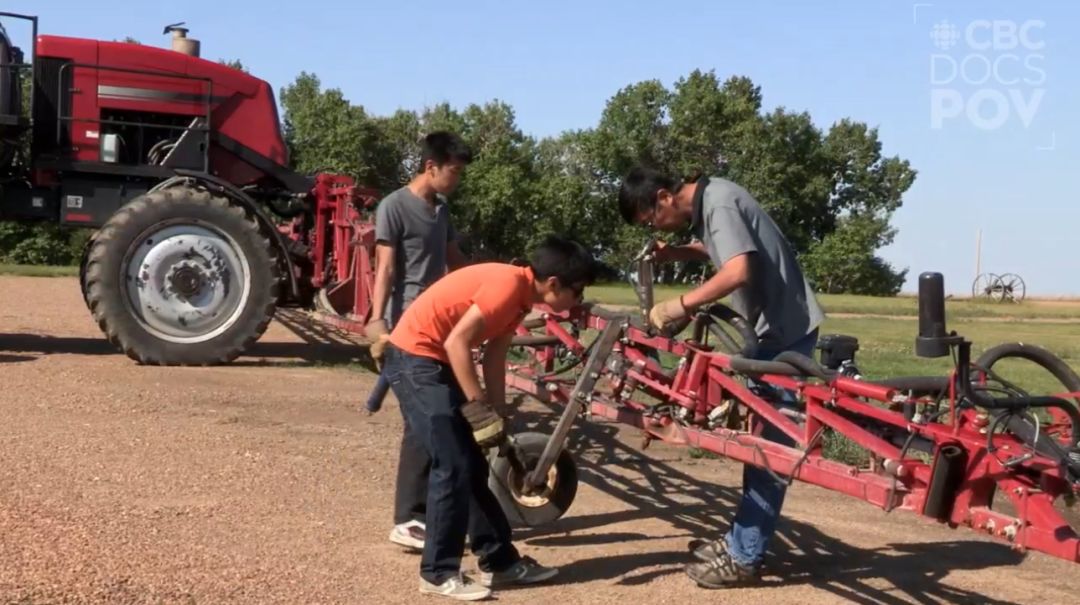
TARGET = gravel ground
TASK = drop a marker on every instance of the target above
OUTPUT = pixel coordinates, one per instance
(260, 482)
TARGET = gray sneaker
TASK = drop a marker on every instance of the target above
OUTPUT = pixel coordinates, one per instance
(456, 587)
(525, 571)
(707, 550)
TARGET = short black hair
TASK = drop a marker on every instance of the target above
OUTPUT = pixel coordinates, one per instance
(443, 147)
(637, 194)
(564, 259)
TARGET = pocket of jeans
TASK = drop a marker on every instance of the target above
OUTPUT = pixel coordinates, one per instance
(424, 370)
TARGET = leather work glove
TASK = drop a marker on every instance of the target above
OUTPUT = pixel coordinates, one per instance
(379, 336)
(487, 426)
(669, 317)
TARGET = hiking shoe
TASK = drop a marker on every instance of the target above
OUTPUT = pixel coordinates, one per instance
(721, 572)
(525, 571)
(410, 535)
(707, 550)
(456, 587)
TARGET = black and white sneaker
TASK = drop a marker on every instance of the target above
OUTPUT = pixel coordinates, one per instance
(410, 535)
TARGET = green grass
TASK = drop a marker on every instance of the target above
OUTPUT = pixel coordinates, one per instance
(38, 270)
(623, 294)
(887, 347)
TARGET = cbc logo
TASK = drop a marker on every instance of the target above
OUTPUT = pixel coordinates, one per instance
(996, 75)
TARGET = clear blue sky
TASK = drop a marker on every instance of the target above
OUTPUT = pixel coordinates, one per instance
(558, 62)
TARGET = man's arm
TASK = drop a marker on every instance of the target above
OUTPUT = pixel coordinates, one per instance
(734, 274)
(495, 369)
(384, 277)
(455, 258)
(459, 344)
(671, 254)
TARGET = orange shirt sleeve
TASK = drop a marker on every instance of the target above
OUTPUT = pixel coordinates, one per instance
(499, 300)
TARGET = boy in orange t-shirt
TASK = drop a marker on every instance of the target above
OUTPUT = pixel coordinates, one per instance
(429, 363)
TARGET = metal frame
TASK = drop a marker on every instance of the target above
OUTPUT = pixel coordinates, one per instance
(33, 50)
(207, 104)
(341, 246)
(956, 486)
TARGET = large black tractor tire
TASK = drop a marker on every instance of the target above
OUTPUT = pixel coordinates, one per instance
(180, 276)
(556, 496)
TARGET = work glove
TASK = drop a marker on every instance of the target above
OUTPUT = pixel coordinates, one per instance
(487, 427)
(669, 317)
(379, 335)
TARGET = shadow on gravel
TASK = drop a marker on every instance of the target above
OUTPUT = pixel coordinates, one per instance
(800, 554)
(49, 345)
(322, 346)
(315, 353)
(14, 358)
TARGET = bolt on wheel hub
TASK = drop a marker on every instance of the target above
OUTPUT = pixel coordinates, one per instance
(186, 279)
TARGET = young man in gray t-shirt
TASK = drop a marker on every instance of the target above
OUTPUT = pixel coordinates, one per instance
(758, 268)
(415, 245)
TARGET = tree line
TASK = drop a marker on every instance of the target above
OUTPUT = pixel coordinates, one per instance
(832, 191)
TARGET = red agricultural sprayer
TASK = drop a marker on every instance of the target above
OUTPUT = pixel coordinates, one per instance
(969, 448)
(202, 231)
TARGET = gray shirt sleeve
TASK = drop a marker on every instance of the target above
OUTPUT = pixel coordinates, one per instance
(731, 235)
(388, 223)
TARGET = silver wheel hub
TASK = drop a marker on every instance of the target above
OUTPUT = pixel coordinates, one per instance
(186, 282)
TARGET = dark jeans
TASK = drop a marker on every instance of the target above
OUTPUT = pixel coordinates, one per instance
(410, 491)
(459, 502)
(762, 497)
(414, 464)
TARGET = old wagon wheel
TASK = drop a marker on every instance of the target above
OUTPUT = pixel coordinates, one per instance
(983, 287)
(1012, 288)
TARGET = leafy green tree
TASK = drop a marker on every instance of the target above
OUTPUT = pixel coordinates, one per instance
(398, 158)
(233, 63)
(832, 191)
(844, 261)
(496, 207)
(325, 133)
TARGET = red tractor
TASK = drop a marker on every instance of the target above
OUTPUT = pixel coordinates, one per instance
(203, 230)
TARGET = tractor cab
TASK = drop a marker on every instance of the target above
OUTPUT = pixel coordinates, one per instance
(110, 120)
(13, 123)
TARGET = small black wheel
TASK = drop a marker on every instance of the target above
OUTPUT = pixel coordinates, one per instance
(553, 498)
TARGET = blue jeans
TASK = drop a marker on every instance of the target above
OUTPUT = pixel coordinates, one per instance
(382, 385)
(378, 394)
(762, 497)
(459, 501)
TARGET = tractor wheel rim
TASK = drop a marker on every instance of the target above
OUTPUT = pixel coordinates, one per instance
(540, 496)
(186, 283)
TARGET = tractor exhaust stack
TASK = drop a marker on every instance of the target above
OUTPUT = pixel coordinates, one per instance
(180, 42)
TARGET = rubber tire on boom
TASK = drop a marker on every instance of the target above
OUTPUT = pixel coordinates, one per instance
(544, 510)
(1020, 425)
(134, 224)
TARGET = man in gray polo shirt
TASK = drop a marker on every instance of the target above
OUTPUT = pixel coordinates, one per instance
(758, 268)
(415, 245)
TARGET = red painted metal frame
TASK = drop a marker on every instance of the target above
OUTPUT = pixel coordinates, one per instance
(341, 249)
(704, 379)
(342, 254)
